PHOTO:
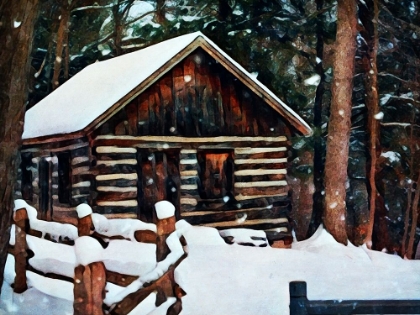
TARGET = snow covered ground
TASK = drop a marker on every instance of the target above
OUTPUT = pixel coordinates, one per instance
(232, 279)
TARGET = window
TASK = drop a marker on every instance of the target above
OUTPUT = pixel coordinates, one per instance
(26, 183)
(64, 186)
(216, 173)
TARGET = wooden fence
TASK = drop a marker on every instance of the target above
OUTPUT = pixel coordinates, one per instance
(91, 276)
(300, 305)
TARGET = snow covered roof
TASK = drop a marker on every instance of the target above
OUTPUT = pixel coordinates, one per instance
(95, 93)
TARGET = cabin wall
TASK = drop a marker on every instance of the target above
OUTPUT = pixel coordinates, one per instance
(201, 139)
(135, 172)
(197, 98)
(55, 179)
(197, 137)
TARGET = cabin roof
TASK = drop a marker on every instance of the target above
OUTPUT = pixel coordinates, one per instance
(94, 94)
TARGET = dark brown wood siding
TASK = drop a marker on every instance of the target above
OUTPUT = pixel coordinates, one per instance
(197, 98)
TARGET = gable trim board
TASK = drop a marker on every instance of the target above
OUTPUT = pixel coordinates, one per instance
(97, 92)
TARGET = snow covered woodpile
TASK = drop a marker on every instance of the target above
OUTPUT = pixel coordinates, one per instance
(178, 121)
(99, 273)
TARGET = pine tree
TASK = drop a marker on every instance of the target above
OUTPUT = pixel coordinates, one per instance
(339, 124)
(17, 21)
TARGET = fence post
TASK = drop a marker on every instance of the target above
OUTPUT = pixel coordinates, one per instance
(89, 277)
(22, 227)
(298, 299)
(165, 225)
(84, 223)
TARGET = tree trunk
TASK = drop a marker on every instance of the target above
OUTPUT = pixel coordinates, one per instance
(160, 11)
(370, 22)
(17, 21)
(340, 123)
(414, 218)
(62, 34)
(318, 142)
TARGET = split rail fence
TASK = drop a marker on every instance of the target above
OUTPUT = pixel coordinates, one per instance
(90, 274)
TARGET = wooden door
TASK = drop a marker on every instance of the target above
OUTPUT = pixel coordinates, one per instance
(159, 179)
(44, 189)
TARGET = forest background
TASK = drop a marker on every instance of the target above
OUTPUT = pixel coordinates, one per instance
(349, 68)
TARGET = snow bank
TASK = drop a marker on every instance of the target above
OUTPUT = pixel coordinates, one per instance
(323, 243)
(9, 269)
(53, 287)
(52, 257)
(245, 236)
(32, 302)
(130, 258)
(123, 227)
(199, 235)
(54, 229)
(252, 280)
(176, 251)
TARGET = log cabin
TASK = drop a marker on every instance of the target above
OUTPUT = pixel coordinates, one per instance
(180, 121)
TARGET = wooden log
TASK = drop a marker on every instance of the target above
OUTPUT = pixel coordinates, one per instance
(203, 217)
(236, 109)
(22, 227)
(178, 91)
(118, 183)
(119, 279)
(259, 224)
(164, 228)
(131, 111)
(189, 97)
(143, 115)
(133, 299)
(158, 142)
(116, 196)
(260, 191)
(165, 225)
(165, 91)
(85, 226)
(89, 289)
(175, 308)
(145, 236)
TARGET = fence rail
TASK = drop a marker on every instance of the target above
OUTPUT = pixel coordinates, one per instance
(90, 277)
(300, 305)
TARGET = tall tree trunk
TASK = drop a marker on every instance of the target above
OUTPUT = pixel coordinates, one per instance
(403, 249)
(61, 37)
(160, 11)
(17, 20)
(318, 146)
(414, 219)
(340, 122)
(370, 21)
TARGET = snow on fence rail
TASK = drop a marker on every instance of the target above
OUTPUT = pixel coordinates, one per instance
(113, 266)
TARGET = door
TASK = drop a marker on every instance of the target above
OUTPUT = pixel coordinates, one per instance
(44, 190)
(158, 173)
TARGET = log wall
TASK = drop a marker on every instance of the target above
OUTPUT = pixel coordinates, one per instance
(170, 168)
(116, 180)
(160, 146)
(44, 168)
